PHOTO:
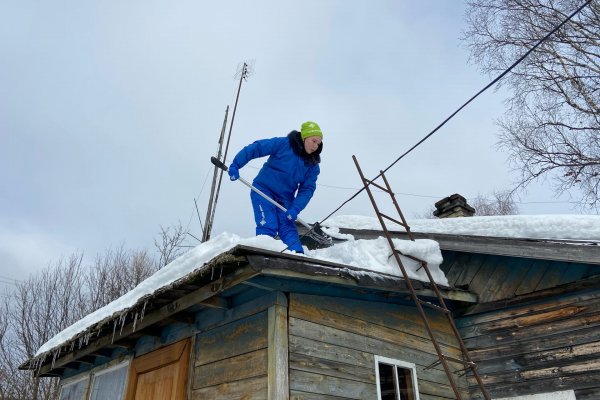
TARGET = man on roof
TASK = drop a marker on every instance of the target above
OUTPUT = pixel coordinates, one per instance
(289, 177)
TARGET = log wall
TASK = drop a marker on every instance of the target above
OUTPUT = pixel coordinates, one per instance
(333, 341)
(231, 361)
(495, 278)
(538, 346)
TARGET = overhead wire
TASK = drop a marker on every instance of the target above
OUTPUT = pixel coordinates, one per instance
(427, 196)
(492, 83)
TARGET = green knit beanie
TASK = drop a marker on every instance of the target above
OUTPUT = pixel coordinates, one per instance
(309, 129)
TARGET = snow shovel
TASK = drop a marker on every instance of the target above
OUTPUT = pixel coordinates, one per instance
(315, 238)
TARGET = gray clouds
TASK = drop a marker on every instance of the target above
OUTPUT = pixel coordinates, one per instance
(109, 111)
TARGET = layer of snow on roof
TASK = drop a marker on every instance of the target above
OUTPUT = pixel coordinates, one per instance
(176, 270)
(567, 227)
(377, 255)
(367, 254)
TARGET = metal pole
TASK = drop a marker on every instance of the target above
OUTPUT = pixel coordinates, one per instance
(210, 210)
(242, 77)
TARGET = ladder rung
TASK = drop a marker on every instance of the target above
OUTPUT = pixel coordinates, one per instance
(468, 364)
(411, 257)
(433, 364)
(395, 221)
(378, 186)
(434, 306)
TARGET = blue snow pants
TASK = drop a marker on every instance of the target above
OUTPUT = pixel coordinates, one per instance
(271, 221)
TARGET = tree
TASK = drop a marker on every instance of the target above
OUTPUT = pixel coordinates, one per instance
(551, 128)
(48, 302)
(169, 246)
(498, 203)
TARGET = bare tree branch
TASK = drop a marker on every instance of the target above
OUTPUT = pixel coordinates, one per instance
(551, 128)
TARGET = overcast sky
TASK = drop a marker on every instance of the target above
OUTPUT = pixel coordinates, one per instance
(110, 111)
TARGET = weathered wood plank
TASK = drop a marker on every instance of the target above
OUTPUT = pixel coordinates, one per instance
(483, 275)
(534, 276)
(323, 366)
(470, 269)
(240, 367)
(364, 347)
(506, 278)
(278, 376)
(331, 386)
(209, 319)
(549, 343)
(553, 357)
(551, 277)
(549, 311)
(298, 395)
(559, 293)
(333, 352)
(576, 382)
(533, 332)
(364, 317)
(247, 389)
(239, 337)
(588, 394)
(327, 359)
(454, 265)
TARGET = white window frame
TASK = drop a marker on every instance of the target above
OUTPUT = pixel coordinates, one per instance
(74, 380)
(396, 363)
(104, 369)
(90, 376)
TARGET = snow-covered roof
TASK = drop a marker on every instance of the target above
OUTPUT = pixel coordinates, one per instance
(365, 254)
(559, 227)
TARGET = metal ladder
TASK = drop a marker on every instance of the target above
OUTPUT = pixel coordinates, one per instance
(443, 359)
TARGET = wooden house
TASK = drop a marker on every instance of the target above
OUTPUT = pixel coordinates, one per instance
(258, 324)
(534, 330)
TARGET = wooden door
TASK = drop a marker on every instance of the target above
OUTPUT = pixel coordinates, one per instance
(161, 374)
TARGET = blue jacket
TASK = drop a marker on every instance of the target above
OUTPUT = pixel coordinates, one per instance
(287, 170)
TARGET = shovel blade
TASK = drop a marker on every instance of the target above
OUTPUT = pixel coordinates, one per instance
(316, 238)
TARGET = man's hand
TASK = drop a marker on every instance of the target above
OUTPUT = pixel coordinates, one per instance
(292, 214)
(234, 172)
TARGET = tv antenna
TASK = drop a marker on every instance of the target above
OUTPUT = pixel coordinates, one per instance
(244, 70)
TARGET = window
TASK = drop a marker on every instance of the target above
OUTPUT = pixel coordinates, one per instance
(74, 389)
(110, 383)
(396, 380)
(105, 382)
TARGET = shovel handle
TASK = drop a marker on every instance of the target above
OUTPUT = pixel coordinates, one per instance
(219, 164)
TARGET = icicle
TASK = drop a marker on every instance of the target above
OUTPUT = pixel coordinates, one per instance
(143, 310)
(122, 319)
(112, 340)
(135, 321)
(212, 273)
(54, 356)
(221, 274)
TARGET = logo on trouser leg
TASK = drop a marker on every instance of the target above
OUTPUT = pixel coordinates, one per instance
(263, 221)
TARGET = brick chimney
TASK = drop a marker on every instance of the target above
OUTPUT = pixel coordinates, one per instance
(453, 206)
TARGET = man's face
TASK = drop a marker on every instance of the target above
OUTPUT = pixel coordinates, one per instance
(311, 144)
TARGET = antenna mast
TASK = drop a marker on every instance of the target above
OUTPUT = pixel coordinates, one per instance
(218, 173)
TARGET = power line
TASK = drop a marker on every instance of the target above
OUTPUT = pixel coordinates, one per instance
(427, 196)
(492, 83)
(4, 277)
